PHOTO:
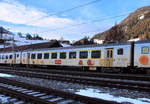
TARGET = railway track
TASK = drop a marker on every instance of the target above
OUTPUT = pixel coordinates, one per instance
(135, 77)
(106, 82)
(40, 95)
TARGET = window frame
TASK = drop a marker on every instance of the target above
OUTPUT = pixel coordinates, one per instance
(96, 51)
(47, 56)
(53, 54)
(81, 52)
(145, 50)
(63, 55)
(10, 56)
(6, 56)
(120, 51)
(3, 56)
(71, 52)
(40, 56)
(17, 55)
(34, 56)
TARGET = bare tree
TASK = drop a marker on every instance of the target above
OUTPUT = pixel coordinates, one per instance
(115, 34)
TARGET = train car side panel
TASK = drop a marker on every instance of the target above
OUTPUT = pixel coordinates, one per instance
(142, 55)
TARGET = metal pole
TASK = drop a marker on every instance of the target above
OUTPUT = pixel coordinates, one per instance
(13, 51)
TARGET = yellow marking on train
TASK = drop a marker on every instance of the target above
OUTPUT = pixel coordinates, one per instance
(101, 62)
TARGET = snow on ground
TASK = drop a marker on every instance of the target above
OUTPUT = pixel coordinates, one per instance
(120, 95)
(9, 100)
(3, 99)
(6, 75)
(140, 17)
(23, 41)
(106, 96)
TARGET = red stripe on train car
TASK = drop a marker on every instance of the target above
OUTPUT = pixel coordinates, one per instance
(57, 61)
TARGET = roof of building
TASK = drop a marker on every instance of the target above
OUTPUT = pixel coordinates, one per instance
(44, 45)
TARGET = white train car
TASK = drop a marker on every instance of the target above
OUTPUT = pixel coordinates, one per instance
(142, 54)
(117, 55)
(6, 58)
(10, 58)
(93, 56)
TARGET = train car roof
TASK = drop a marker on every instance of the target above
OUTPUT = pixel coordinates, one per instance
(81, 46)
(32, 46)
(142, 41)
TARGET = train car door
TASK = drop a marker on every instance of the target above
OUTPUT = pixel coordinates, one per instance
(28, 58)
(109, 57)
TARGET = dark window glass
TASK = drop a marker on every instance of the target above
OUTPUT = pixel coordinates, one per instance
(120, 51)
(111, 54)
(96, 54)
(46, 55)
(3, 57)
(72, 55)
(17, 55)
(62, 55)
(39, 56)
(6, 57)
(84, 54)
(0, 57)
(54, 55)
(33, 56)
(108, 54)
(10, 57)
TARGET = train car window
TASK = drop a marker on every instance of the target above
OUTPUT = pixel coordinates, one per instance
(3, 57)
(17, 55)
(62, 55)
(107, 54)
(32, 56)
(72, 55)
(39, 56)
(145, 50)
(10, 57)
(54, 55)
(83, 54)
(46, 55)
(111, 54)
(24, 55)
(96, 54)
(6, 57)
(120, 51)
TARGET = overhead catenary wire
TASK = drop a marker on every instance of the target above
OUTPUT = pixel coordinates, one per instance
(83, 23)
(67, 10)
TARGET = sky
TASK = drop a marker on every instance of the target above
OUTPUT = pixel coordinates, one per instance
(67, 19)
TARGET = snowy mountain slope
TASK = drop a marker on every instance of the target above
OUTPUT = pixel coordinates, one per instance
(19, 41)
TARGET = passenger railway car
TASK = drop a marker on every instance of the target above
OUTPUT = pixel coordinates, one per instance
(108, 55)
(123, 56)
(142, 54)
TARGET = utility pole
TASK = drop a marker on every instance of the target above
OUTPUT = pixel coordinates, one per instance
(13, 51)
(1, 36)
(1, 32)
